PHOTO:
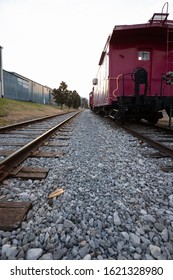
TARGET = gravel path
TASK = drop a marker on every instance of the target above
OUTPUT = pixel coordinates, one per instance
(117, 204)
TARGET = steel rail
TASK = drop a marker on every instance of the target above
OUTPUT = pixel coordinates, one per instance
(155, 144)
(15, 125)
(10, 162)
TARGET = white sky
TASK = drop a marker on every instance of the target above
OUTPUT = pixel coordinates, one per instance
(50, 41)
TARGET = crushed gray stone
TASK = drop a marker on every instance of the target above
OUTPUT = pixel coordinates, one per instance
(117, 204)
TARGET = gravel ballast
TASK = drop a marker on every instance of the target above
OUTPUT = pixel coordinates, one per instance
(117, 204)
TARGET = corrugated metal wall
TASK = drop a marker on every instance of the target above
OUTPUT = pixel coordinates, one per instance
(20, 88)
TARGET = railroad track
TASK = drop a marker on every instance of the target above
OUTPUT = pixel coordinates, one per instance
(159, 138)
(28, 136)
(35, 137)
(134, 195)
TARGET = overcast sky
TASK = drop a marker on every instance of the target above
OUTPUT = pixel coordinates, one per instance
(50, 41)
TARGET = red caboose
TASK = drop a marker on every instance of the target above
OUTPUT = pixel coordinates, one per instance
(135, 75)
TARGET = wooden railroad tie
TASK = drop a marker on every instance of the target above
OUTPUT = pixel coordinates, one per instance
(155, 155)
(35, 153)
(46, 154)
(12, 214)
(28, 172)
(167, 168)
(13, 144)
(57, 144)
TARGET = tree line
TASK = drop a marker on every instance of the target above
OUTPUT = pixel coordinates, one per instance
(63, 96)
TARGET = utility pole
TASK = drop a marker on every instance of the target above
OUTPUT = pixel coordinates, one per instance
(1, 75)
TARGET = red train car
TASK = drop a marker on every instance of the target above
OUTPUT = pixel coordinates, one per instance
(135, 75)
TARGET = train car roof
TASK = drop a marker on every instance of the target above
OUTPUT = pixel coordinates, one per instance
(157, 20)
(156, 25)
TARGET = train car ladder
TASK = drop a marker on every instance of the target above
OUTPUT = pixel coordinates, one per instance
(169, 63)
(169, 46)
(160, 17)
(169, 40)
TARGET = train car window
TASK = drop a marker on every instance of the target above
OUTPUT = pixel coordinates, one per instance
(95, 81)
(143, 55)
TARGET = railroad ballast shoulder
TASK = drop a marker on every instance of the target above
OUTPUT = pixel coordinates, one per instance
(135, 75)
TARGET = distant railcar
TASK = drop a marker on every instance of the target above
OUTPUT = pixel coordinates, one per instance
(135, 75)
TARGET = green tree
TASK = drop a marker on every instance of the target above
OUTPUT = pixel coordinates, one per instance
(84, 102)
(69, 99)
(76, 100)
(60, 94)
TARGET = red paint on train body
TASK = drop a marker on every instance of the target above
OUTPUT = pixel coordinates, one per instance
(135, 74)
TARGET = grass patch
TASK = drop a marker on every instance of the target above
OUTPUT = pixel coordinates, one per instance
(3, 108)
(12, 111)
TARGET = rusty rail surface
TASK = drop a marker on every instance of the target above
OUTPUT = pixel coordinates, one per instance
(10, 162)
(16, 125)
